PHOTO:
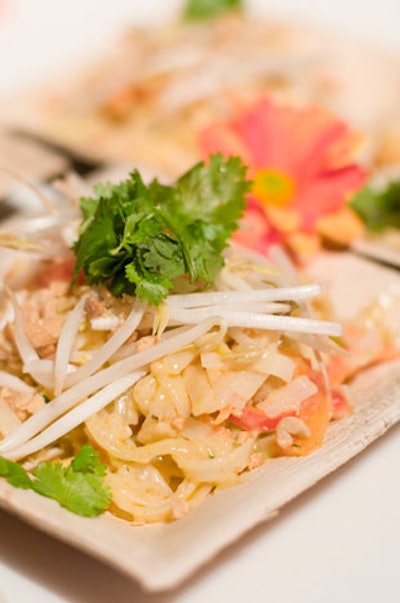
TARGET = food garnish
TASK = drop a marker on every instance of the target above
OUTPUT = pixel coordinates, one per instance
(378, 209)
(78, 487)
(303, 171)
(204, 9)
(139, 238)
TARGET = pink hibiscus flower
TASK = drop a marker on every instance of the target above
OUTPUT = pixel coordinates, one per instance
(300, 161)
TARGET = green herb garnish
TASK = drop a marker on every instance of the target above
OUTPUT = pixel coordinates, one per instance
(138, 238)
(378, 210)
(204, 9)
(78, 487)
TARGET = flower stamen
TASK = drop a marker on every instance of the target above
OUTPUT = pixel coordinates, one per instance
(272, 187)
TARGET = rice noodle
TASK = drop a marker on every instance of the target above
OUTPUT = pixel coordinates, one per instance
(77, 416)
(141, 492)
(277, 365)
(69, 398)
(221, 470)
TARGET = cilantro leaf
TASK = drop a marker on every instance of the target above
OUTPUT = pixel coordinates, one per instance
(78, 487)
(204, 9)
(78, 492)
(378, 210)
(138, 238)
(15, 474)
(87, 461)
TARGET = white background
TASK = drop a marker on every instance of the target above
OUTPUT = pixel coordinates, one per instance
(339, 542)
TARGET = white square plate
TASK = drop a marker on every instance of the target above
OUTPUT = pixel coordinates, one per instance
(162, 556)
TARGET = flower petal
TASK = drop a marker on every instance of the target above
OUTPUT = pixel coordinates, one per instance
(305, 146)
(255, 232)
(327, 192)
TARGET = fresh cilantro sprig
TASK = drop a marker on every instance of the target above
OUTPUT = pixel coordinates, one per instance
(378, 209)
(78, 487)
(138, 238)
(204, 9)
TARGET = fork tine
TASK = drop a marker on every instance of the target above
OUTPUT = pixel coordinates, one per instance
(7, 210)
(29, 159)
(80, 163)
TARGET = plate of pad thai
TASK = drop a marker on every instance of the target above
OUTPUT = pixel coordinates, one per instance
(182, 355)
(152, 366)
